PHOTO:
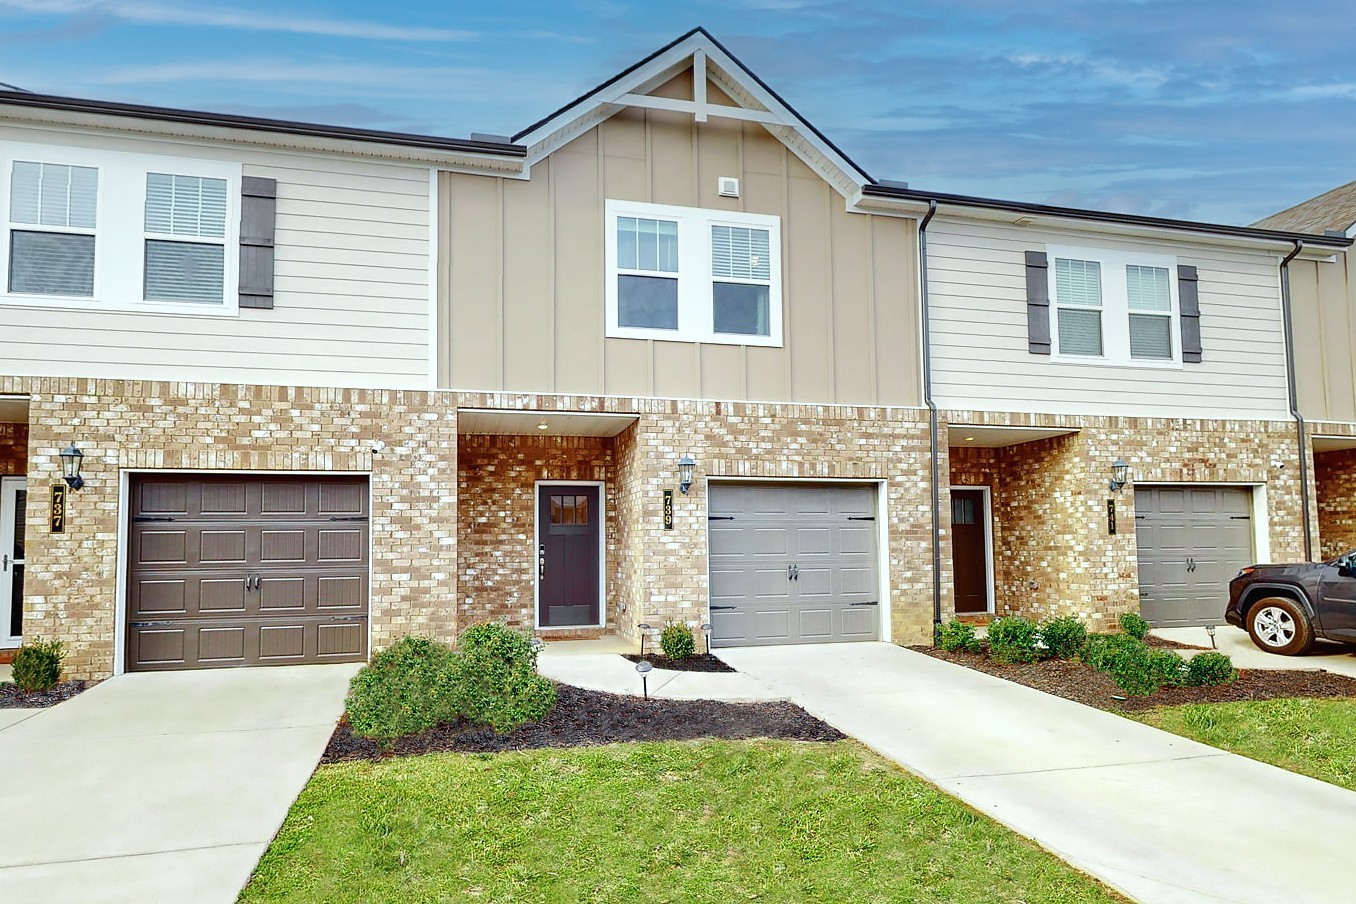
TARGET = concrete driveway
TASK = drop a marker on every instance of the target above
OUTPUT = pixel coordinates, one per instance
(159, 786)
(1158, 817)
(1238, 646)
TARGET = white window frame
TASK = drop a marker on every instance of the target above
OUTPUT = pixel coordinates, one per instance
(120, 229)
(1115, 307)
(696, 295)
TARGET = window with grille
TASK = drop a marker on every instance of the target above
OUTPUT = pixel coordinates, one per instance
(1114, 307)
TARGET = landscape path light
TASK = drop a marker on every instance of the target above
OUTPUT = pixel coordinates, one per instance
(644, 668)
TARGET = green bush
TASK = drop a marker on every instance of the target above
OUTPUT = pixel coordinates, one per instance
(37, 665)
(677, 641)
(956, 636)
(397, 693)
(1133, 623)
(1209, 669)
(1013, 639)
(1063, 637)
(1103, 651)
(1137, 668)
(493, 679)
(1168, 668)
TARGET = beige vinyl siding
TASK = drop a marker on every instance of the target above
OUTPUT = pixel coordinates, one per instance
(351, 284)
(1324, 310)
(977, 297)
(522, 274)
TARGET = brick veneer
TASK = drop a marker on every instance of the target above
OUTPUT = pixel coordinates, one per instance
(1335, 483)
(71, 578)
(13, 450)
(1053, 554)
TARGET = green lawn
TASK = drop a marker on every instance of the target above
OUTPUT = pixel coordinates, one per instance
(1312, 737)
(766, 821)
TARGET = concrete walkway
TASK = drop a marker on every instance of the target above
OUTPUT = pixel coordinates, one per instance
(159, 787)
(598, 665)
(1238, 646)
(1161, 818)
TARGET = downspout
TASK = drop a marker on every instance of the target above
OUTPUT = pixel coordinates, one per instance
(934, 445)
(1301, 440)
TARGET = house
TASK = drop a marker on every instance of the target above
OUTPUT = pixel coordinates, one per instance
(667, 354)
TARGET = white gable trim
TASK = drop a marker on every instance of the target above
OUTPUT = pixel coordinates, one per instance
(706, 57)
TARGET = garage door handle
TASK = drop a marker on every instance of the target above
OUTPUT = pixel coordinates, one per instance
(722, 608)
(861, 517)
(872, 603)
(348, 518)
(151, 624)
(720, 517)
(349, 618)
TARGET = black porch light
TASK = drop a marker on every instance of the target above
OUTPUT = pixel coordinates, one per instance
(70, 466)
(686, 468)
(1120, 475)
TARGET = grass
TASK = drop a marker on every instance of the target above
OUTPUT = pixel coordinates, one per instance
(722, 821)
(1312, 737)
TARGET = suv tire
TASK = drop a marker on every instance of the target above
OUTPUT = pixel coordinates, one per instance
(1280, 625)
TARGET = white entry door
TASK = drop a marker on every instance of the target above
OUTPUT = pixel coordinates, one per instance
(13, 499)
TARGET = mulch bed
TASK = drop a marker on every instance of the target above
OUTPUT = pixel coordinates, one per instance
(584, 718)
(703, 662)
(11, 697)
(1163, 643)
(1081, 683)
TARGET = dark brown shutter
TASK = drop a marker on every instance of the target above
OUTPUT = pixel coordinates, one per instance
(1189, 304)
(1037, 303)
(258, 211)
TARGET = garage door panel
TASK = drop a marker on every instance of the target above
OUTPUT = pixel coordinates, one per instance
(1192, 541)
(240, 570)
(778, 526)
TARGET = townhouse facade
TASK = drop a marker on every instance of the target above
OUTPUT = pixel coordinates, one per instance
(667, 354)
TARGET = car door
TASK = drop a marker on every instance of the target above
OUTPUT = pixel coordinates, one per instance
(1337, 598)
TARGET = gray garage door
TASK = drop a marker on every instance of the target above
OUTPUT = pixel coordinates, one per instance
(1192, 541)
(793, 563)
(235, 570)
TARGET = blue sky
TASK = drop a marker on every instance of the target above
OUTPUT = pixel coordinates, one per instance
(1223, 111)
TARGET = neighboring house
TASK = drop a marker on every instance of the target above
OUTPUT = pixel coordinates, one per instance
(335, 386)
(1324, 313)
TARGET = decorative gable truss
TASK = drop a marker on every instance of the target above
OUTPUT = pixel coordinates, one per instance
(709, 63)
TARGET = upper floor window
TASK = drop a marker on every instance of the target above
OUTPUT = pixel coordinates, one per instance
(1114, 307)
(693, 275)
(110, 230)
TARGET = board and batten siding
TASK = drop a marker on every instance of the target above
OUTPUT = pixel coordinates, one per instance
(1323, 307)
(980, 357)
(522, 278)
(351, 299)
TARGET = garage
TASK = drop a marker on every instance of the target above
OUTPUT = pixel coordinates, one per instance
(239, 570)
(793, 563)
(1192, 541)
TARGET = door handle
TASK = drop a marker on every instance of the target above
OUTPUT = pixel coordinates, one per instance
(541, 562)
(4, 562)
(1191, 565)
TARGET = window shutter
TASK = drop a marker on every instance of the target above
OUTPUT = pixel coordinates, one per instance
(1037, 303)
(258, 211)
(1188, 301)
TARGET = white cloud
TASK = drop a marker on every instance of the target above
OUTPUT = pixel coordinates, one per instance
(248, 20)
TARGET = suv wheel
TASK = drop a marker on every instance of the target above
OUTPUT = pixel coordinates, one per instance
(1280, 625)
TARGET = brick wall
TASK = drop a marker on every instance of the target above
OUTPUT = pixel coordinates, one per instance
(71, 579)
(1335, 485)
(496, 545)
(1053, 551)
(13, 450)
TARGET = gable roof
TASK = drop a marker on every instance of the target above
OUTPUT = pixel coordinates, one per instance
(1333, 210)
(708, 58)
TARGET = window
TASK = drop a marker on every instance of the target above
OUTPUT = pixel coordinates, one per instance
(1113, 307)
(693, 275)
(106, 230)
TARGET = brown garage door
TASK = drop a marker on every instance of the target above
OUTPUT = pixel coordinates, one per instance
(238, 570)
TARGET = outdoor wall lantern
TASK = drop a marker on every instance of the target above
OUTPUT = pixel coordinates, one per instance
(1120, 475)
(70, 466)
(686, 467)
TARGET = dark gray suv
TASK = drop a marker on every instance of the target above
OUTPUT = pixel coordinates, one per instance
(1285, 608)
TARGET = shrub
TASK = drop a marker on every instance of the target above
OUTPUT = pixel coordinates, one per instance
(1063, 637)
(1209, 669)
(1167, 668)
(37, 665)
(1133, 623)
(1013, 639)
(1135, 675)
(957, 636)
(398, 692)
(677, 641)
(493, 679)
(1103, 651)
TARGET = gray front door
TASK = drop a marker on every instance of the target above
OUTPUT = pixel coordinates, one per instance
(569, 526)
(1192, 541)
(793, 563)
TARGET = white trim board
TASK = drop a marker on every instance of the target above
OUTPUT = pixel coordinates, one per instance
(988, 549)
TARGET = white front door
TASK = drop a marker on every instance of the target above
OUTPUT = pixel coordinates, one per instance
(13, 497)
